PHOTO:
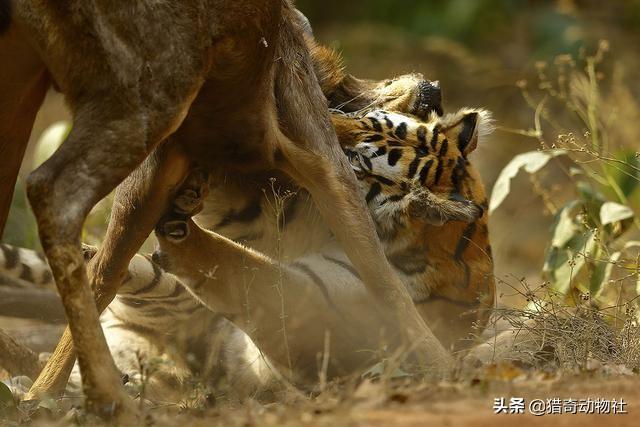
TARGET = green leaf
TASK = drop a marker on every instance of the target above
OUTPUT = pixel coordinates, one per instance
(377, 370)
(574, 171)
(611, 212)
(50, 404)
(602, 272)
(531, 162)
(625, 172)
(558, 266)
(565, 227)
(534, 306)
(399, 373)
(6, 397)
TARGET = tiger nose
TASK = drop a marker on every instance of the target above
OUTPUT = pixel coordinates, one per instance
(428, 99)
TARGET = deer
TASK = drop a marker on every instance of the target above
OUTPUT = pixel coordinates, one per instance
(156, 88)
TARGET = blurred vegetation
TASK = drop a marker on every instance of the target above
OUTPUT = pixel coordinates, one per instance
(552, 85)
(548, 26)
(593, 251)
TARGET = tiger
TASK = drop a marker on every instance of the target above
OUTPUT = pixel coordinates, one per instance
(253, 288)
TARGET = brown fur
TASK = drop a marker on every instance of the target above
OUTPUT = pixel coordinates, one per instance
(240, 71)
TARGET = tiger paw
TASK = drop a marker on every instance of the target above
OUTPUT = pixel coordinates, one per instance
(439, 209)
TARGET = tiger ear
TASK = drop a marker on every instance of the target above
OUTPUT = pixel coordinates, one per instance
(466, 127)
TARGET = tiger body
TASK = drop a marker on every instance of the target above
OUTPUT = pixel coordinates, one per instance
(429, 207)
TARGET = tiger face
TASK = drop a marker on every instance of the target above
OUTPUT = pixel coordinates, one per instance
(403, 163)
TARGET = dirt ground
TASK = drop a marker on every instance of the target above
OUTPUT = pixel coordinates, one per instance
(469, 402)
(446, 404)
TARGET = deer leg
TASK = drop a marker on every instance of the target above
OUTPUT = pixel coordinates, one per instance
(16, 358)
(334, 191)
(108, 141)
(138, 204)
(312, 156)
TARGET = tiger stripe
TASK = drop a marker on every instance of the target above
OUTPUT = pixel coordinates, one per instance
(307, 271)
(342, 264)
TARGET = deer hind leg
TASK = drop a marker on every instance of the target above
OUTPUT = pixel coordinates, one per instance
(110, 138)
(23, 85)
(136, 209)
(334, 191)
(312, 156)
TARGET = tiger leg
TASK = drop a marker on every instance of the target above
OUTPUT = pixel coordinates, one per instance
(132, 333)
(287, 310)
(27, 289)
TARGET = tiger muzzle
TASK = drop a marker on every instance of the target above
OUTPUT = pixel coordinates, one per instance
(428, 99)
